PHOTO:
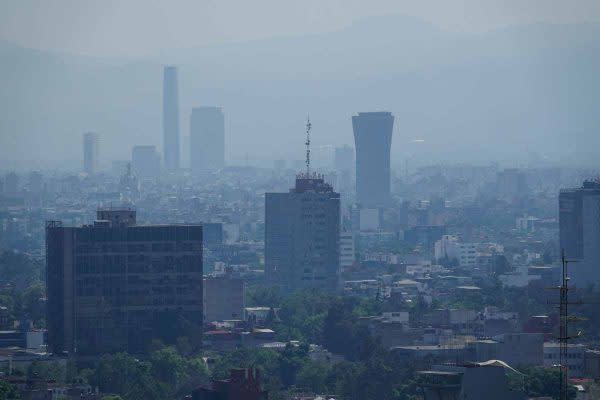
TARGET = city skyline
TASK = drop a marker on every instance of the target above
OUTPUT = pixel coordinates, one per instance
(393, 200)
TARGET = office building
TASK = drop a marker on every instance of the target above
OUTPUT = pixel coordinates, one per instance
(116, 286)
(224, 297)
(344, 166)
(207, 139)
(579, 222)
(36, 182)
(511, 184)
(344, 158)
(302, 234)
(575, 357)
(347, 256)
(171, 119)
(11, 183)
(212, 233)
(373, 140)
(145, 161)
(90, 153)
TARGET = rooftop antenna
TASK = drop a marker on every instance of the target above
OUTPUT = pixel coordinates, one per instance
(307, 143)
(564, 338)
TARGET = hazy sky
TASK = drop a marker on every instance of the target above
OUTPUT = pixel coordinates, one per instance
(141, 27)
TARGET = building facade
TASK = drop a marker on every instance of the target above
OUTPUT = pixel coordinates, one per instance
(116, 286)
(224, 298)
(171, 119)
(90, 152)
(344, 158)
(579, 224)
(373, 140)
(207, 139)
(145, 161)
(347, 255)
(302, 235)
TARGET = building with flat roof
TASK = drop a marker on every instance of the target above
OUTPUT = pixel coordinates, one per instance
(145, 161)
(207, 139)
(115, 286)
(302, 235)
(224, 297)
(579, 224)
(468, 381)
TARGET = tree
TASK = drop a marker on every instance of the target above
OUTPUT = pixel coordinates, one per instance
(128, 377)
(45, 370)
(539, 381)
(264, 296)
(31, 304)
(8, 391)
(312, 377)
(19, 269)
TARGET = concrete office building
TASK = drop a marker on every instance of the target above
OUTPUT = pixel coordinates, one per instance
(207, 139)
(115, 286)
(224, 297)
(171, 119)
(302, 235)
(579, 222)
(90, 153)
(145, 161)
(373, 140)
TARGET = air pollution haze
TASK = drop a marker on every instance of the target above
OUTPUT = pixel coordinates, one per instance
(299, 200)
(505, 81)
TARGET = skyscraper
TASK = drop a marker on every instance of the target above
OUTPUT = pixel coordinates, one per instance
(116, 286)
(90, 153)
(171, 119)
(579, 222)
(207, 139)
(373, 139)
(11, 183)
(344, 158)
(302, 234)
(145, 161)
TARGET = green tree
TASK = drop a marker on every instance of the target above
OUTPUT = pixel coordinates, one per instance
(8, 391)
(45, 370)
(31, 302)
(312, 377)
(539, 381)
(128, 377)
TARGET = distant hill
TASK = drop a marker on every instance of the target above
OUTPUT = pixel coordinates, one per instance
(508, 95)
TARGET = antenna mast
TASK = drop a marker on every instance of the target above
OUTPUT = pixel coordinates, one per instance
(564, 338)
(307, 143)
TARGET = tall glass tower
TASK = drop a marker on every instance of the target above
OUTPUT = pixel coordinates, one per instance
(373, 140)
(170, 119)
